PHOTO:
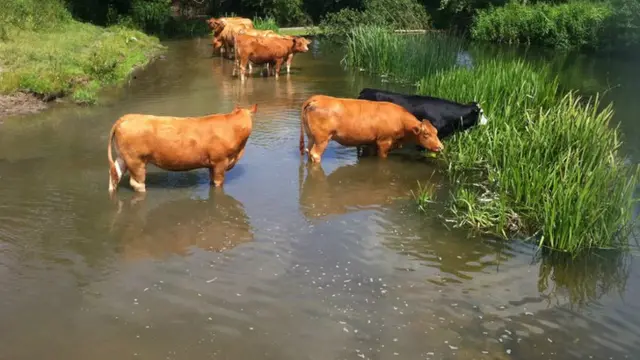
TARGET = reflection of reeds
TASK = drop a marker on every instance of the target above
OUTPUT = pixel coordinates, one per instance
(585, 278)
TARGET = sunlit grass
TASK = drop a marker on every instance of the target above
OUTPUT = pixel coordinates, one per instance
(548, 163)
(401, 57)
(71, 58)
(266, 23)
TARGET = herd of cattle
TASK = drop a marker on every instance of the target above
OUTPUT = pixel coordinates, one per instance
(377, 120)
(240, 40)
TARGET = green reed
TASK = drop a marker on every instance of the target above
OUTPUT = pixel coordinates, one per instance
(546, 166)
(404, 57)
(266, 23)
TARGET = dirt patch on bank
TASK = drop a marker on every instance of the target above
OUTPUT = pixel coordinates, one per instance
(19, 104)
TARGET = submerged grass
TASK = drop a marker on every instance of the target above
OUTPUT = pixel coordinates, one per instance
(379, 50)
(70, 58)
(546, 166)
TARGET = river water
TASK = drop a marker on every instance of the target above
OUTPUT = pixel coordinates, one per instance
(285, 262)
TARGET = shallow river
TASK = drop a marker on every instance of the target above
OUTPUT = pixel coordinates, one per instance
(283, 263)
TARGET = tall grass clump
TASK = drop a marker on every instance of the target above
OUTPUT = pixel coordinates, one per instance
(547, 165)
(390, 14)
(266, 23)
(404, 57)
(576, 24)
(67, 57)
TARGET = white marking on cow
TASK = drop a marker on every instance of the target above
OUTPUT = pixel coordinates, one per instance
(118, 170)
(483, 120)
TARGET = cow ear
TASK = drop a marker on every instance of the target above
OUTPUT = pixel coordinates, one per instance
(236, 107)
(417, 129)
(254, 108)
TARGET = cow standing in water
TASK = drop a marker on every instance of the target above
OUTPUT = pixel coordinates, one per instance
(214, 141)
(447, 116)
(354, 122)
(266, 50)
(224, 30)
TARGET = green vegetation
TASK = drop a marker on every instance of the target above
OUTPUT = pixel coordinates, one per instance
(391, 14)
(570, 25)
(46, 52)
(268, 23)
(605, 25)
(403, 57)
(305, 31)
(546, 166)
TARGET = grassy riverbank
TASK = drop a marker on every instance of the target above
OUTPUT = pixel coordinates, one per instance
(546, 166)
(60, 57)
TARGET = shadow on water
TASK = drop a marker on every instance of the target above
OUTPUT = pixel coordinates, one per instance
(176, 227)
(368, 184)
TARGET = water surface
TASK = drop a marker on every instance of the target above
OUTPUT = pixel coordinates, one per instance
(285, 262)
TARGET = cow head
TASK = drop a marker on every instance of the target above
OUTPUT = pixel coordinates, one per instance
(300, 44)
(478, 114)
(251, 109)
(210, 22)
(216, 25)
(427, 136)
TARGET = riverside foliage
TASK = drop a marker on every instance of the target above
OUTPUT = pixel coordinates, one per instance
(546, 166)
(47, 53)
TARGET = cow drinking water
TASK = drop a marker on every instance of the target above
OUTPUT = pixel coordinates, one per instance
(215, 141)
(355, 122)
(447, 116)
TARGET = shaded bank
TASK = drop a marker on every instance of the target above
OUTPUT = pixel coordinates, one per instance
(20, 103)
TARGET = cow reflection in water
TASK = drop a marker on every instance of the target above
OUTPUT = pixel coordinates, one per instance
(367, 185)
(216, 224)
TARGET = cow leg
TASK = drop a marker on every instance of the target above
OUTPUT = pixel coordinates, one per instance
(217, 174)
(138, 174)
(243, 68)
(278, 66)
(315, 152)
(289, 60)
(384, 146)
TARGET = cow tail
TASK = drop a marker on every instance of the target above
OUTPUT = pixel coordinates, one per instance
(306, 107)
(115, 173)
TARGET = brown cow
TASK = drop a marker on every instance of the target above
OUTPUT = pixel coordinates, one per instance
(215, 141)
(353, 122)
(214, 23)
(259, 34)
(266, 50)
(224, 31)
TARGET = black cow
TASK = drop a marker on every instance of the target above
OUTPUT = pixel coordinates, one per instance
(447, 116)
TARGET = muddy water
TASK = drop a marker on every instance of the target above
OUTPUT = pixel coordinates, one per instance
(286, 262)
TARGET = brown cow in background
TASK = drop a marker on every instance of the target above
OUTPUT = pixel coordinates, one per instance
(224, 30)
(266, 50)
